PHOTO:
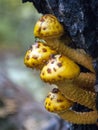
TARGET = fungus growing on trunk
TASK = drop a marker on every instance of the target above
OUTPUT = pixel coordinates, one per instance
(61, 71)
(38, 55)
(49, 29)
(56, 102)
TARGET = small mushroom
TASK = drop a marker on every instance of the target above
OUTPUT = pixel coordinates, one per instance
(38, 55)
(56, 102)
(49, 28)
(61, 71)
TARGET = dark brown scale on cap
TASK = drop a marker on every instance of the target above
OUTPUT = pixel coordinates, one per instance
(51, 98)
(52, 62)
(48, 95)
(54, 69)
(52, 56)
(44, 28)
(49, 70)
(33, 64)
(27, 58)
(55, 90)
(59, 64)
(59, 76)
(59, 100)
(55, 108)
(60, 56)
(37, 45)
(35, 57)
(49, 104)
(62, 106)
(48, 109)
(44, 49)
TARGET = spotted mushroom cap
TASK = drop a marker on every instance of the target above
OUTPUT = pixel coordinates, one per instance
(48, 26)
(37, 55)
(56, 102)
(59, 68)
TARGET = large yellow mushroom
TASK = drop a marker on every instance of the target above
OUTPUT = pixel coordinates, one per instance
(49, 29)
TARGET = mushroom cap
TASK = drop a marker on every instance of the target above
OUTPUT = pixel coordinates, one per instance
(59, 68)
(56, 102)
(48, 26)
(37, 55)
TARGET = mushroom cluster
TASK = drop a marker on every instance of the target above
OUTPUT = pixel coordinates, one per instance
(61, 65)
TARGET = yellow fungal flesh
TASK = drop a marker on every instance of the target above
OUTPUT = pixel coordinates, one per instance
(69, 83)
(63, 76)
(37, 55)
(50, 29)
(48, 26)
(56, 102)
(58, 68)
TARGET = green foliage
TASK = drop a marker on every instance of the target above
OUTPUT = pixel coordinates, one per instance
(17, 22)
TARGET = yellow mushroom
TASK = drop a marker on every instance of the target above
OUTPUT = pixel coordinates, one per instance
(59, 68)
(56, 102)
(49, 29)
(61, 71)
(38, 55)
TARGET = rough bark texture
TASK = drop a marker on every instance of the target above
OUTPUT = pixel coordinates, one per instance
(80, 19)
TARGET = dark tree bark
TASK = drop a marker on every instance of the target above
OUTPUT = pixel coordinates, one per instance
(80, 18)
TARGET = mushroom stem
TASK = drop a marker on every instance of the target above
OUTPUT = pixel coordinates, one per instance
(76, 94)
(79, 117)
(51, 30)
(86, 81)
(76, 55)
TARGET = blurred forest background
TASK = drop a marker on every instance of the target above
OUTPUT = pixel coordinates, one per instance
(22, 92)
(16, 36)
